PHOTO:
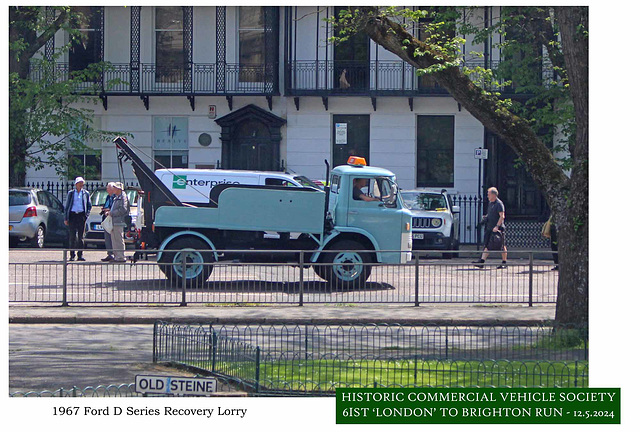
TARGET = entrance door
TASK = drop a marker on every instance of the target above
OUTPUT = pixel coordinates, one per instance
(350, 137)
(253, 148)
(517, 189)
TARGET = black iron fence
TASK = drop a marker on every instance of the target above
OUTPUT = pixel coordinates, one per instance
(48, 277)
(175, 79)
(380, 77)
(314, 359)
(524, 234)
(60, 188)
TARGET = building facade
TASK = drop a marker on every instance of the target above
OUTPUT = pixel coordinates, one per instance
(262, 88)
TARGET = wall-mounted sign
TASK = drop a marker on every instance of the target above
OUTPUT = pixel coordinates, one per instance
(481, 153)
(341, 133)
(171, 133)
(212, 111)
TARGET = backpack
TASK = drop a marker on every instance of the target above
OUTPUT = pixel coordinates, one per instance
(496, 241)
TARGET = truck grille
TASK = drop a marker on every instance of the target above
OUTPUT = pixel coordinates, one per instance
(421, 222)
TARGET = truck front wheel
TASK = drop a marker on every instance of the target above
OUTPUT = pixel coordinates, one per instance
(197, 266)
(346, 266)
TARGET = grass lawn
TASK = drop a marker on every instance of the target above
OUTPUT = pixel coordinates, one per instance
(327, 374)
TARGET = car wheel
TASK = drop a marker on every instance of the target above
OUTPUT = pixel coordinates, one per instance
(456, 247)
(198, 256)
(347, 268)
(38, 240)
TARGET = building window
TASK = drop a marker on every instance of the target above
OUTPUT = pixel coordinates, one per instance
(85, 162)
(439, 14)
(87, 49)
(435, 151)
(171, 142)
(169, 44)
(251, 43)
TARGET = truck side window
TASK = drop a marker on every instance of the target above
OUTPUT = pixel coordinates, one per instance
(278, 182)
(361, 186)
(335, 184)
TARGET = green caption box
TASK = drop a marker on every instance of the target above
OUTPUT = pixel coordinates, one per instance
(478, 405)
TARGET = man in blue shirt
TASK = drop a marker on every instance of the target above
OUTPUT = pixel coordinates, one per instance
(76, 211)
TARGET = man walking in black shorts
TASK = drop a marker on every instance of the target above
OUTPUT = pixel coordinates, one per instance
(494, 222)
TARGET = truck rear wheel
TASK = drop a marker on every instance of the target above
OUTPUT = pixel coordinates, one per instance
(198, 256)
(346, 268)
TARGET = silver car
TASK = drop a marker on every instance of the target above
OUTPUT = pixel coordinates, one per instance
(36, 216)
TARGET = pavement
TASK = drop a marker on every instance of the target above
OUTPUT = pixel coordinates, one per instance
(53, 347)
(439, 314)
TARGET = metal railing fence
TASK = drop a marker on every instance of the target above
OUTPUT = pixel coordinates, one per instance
(317, 359)
(54, 279)
(521, 234)
(225, 387)
(61, 188)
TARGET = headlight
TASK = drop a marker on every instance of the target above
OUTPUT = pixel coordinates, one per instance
(436, 223)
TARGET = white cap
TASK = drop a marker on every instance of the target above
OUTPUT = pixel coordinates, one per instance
(78, 180)
(118, 185)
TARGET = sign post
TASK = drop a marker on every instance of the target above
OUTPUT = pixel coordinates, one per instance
(480, 154)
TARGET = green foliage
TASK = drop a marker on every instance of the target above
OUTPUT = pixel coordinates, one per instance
(529, 69)
(50, 112)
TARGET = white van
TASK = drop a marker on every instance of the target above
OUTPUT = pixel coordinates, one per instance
(194, 185)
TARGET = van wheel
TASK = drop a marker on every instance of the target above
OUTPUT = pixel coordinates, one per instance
(349, 267)
(199, 259)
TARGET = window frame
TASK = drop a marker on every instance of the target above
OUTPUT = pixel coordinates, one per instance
(158, 75)
(435, 184)
(261, 76)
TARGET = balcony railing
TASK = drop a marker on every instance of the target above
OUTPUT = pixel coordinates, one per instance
(377, 77)
(150, 79)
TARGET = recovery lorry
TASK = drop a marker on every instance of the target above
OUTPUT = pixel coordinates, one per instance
(341, 235)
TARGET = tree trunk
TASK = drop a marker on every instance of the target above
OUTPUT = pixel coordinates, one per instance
(567, 197)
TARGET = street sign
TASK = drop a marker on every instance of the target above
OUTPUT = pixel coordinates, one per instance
(176, 385)
(481, 153)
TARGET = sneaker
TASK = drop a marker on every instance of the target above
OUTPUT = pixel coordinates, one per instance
(478, 263)
(81, 259)
(72, 257)
(107, 258)
(501, 266)
(556, 268)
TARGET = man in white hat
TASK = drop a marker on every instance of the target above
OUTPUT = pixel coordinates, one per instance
(119, 211)
(76, 211)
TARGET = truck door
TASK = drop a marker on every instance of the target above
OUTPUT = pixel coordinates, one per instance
(377, 211)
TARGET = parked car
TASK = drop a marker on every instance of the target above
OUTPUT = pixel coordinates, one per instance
(435, 221)
(37, 217)
(94, 233)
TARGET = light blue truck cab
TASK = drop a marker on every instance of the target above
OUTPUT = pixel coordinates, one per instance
(342, 246)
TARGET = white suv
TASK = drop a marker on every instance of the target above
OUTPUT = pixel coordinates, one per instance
(435, 221)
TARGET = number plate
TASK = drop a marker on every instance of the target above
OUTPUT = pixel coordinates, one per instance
(418, 236)
(97, 227)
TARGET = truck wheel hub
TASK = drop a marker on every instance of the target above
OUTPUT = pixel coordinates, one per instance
(348, 265)
(193, 261)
